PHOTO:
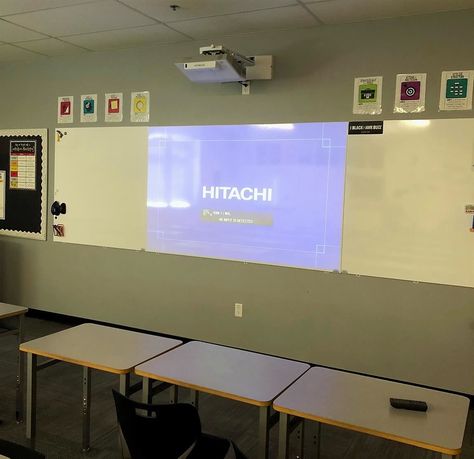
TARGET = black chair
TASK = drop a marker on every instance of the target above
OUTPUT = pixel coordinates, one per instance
(14, 451)
(168, 432)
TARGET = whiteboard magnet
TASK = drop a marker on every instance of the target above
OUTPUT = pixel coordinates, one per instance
(58, 230)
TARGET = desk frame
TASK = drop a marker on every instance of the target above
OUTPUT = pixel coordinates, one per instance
(292, 408)
(19, 332)
(209, 354)
(31, 395)
(124, 371)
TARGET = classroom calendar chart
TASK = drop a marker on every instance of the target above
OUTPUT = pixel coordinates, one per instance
(23, 164)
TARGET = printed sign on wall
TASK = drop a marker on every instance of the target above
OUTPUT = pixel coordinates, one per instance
(65, 109)
(368, 96)
(410, 93)
(3, 181)
(114, 107)
(23, 165)
(140, 107)
(89, 108)
(456, 90)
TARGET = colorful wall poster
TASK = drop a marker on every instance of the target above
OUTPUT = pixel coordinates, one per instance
(89, 108)
(410, 93)
(456, 90)
(3, 181)
(368, 96)
(23, 165)
(140, 107)
(114, 107)
(65, 109)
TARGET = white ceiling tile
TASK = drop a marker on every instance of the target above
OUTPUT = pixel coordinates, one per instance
(85, 18)
(12, 33)
(126, 37)
(10, 53)
(22, 6)
(344, 11)
(189, 9)
(51, 47)
(277, 18)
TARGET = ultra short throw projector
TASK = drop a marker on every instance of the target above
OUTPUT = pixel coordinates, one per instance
(224, 66)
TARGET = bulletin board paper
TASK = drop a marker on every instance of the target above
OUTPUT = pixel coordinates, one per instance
(25, 201)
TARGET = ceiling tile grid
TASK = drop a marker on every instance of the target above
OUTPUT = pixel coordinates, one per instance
(60, 27)
(123, 38)
(51, 47)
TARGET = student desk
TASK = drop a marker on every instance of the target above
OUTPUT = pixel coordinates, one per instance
(362, 404)
(8, 311)
(245, 376)
(92, 346)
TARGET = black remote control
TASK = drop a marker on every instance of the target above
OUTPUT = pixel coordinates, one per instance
(403, 404)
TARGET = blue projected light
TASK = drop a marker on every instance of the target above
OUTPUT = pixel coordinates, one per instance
(266, 193)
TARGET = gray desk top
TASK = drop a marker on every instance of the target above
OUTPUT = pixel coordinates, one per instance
(231, 373)
(104, 348)
(362, 403)
(10, 310)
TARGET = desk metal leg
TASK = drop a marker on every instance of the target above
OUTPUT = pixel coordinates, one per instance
(147, 390)
(315, 439)
(300, 437)
(31, 398)
(125, 384)
(86, 408)
(283, 437)
(174, 394)
(20, 372)
(264, 417)
(194, 397)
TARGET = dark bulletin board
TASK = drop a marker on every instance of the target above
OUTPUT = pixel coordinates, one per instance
(23, 157)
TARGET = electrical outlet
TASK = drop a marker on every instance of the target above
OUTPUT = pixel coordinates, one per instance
(238, 312)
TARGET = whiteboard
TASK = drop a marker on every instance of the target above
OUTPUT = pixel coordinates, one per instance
(405, 195)
(101, 175)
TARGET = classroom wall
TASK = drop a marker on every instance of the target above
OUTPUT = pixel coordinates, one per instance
(408, 331)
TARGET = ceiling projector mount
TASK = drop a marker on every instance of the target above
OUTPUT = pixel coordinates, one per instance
(223, 65)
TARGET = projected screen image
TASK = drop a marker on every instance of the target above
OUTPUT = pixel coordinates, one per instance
(270, 193)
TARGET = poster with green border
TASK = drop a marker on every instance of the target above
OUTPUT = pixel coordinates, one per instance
(456, 90)
(368, 95)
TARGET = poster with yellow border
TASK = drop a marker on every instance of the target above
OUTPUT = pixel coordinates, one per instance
(140, 107)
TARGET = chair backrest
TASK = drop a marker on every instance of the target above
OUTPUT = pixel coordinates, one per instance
(15, 451)
(164, 431)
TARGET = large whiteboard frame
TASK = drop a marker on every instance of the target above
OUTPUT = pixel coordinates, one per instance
(406, 191)
(404, 198)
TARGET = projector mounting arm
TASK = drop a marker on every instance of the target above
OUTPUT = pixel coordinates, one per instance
(213, 50)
